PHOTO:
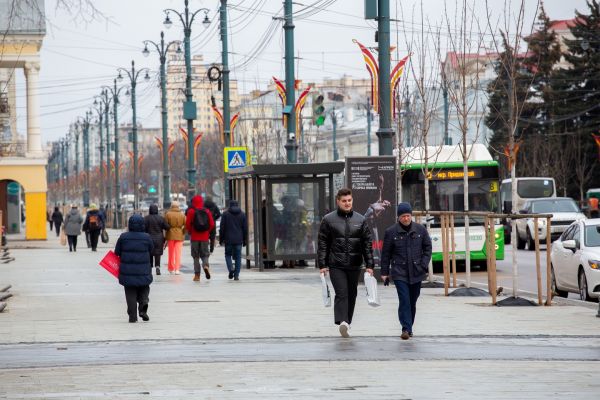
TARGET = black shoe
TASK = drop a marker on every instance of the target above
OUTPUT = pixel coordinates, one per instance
(206, 272)
(231, 275)
(70, 250)
(236, 278)
(132, 320)
(410, 334)
(145, 317)
(157, 273)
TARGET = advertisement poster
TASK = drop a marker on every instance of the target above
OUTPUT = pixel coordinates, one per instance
(374, 187)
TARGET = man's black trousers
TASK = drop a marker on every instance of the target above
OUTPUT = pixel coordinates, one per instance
(345, 284)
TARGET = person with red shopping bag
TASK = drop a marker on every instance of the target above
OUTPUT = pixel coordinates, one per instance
(135, 272)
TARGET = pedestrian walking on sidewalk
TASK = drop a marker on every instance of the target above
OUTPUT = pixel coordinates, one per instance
(135, 271)
(407, 247)
(93, 225)
(199, 222)
(233, 233)
(49, 219)
(344, 244)
(175, 236)
(73, 223)
(57, 219)
(156, 227)
(216, 213)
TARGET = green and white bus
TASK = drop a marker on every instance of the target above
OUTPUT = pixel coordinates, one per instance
(446, 191)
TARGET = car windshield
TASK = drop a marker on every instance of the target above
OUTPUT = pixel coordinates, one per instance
(533, 188)
(552, 206)
(592, 236)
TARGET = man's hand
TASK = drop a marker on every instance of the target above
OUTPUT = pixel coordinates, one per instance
(386, 280)
(324, 271)
(370, 271)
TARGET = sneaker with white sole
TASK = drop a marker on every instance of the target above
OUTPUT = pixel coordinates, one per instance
(177, 272)
(344, 327)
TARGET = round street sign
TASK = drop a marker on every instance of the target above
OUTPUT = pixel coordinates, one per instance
(13, 188)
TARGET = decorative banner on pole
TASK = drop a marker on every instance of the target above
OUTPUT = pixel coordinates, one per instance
(219, 118)
(395, 80)
(597, 140)
(171, 148)
(282, 96)
(158, 143)
(130, 158)
(112, 165)
(232, 125)
(121, 166)
(104, 167)
(140, 160)
(373, 68)
(299, 106)
(197, 142)
(184, 134)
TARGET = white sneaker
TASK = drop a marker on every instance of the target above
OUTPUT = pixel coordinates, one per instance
(177, 272)
(344, 327)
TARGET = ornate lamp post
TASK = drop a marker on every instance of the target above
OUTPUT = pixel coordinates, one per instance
(189, 106)
(99, 109)
(162, 51)
(133, 77)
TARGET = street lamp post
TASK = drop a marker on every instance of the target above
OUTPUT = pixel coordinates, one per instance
(133, 77)
(291, 145)
(162, 50)
(106, 100)
(99, 110)
(77, 134)
(115, 101)
(189, 106)
(86, 158)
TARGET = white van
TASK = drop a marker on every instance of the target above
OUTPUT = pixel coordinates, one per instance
(527, 188)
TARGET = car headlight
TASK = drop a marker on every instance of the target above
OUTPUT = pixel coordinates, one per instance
(594, 264)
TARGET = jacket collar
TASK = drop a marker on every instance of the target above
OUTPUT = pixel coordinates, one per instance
(345, 214)
(402, 231)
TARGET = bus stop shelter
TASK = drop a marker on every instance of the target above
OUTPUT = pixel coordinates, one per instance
(284, 204)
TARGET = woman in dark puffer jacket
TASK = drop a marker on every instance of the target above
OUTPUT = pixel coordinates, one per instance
(135, 272)
(156, 226)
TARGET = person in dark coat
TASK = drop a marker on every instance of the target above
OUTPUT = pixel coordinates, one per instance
(135, 271)
(233, 233)
(156, 227)
(344, 244)
(93, 225)
(49, 219)
(57, 219)
(407, 247)
(216, 213)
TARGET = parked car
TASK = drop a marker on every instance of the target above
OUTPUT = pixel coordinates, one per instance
(564, 212)
(575, 260)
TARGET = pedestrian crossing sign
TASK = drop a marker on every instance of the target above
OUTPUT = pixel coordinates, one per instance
(235, 158)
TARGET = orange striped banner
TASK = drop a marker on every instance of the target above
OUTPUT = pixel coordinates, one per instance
(597, 140)
(373, 69)
(282, 96)
(299, 106)
(219, 118)
(233, 124)
(395, 80)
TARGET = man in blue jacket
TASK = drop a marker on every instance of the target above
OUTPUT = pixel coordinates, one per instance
(135, 271)
(407, 247)
(233, 231)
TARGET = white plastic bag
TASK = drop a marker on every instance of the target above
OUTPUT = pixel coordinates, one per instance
(372, 293)
(325, 291)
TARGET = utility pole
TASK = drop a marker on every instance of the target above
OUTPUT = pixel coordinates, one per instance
(77, 134)
(106, 101)
(100, 116)
(226, 94)
(115, 102)
(385, 133)
(86, 158)
(291, 146)
(334, 122)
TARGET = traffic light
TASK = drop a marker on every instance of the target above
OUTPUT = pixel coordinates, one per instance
(318, 111)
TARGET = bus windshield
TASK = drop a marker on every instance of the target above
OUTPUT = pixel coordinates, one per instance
(535, 188)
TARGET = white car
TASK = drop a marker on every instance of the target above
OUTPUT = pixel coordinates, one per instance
(576, 260)
(564, 212)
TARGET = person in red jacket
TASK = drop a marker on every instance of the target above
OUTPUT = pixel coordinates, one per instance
(199, 222)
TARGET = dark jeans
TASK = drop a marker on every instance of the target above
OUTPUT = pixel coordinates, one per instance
(94, 235)
(345, 283)
(156, 260)
(72, 242)
(137, 300)
(235, 251)
(57, 227)
(407, 307)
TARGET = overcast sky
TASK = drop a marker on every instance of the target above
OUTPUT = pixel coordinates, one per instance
(81, 54)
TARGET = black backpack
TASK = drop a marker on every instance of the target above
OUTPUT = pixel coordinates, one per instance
(200, 222)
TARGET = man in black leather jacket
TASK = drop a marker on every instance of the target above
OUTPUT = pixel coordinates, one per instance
(344, 243)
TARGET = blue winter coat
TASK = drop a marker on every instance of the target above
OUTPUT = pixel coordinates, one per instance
(234, 225)
(408, 253)
(135, 249)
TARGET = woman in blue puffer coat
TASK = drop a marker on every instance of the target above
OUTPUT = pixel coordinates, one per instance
(135, 272)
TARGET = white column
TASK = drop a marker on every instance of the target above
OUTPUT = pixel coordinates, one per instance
(34, 139)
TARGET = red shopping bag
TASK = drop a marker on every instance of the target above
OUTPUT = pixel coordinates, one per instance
(111, 263)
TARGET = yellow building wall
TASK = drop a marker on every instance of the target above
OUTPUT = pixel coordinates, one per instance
(19, 49)
(33, 180)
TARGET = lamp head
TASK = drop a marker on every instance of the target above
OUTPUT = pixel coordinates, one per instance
(206, 21)
(167, 22)
(120, 77)
(146, 52)
(146, 77)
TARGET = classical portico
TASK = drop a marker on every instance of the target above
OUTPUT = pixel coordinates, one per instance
(22, 158)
